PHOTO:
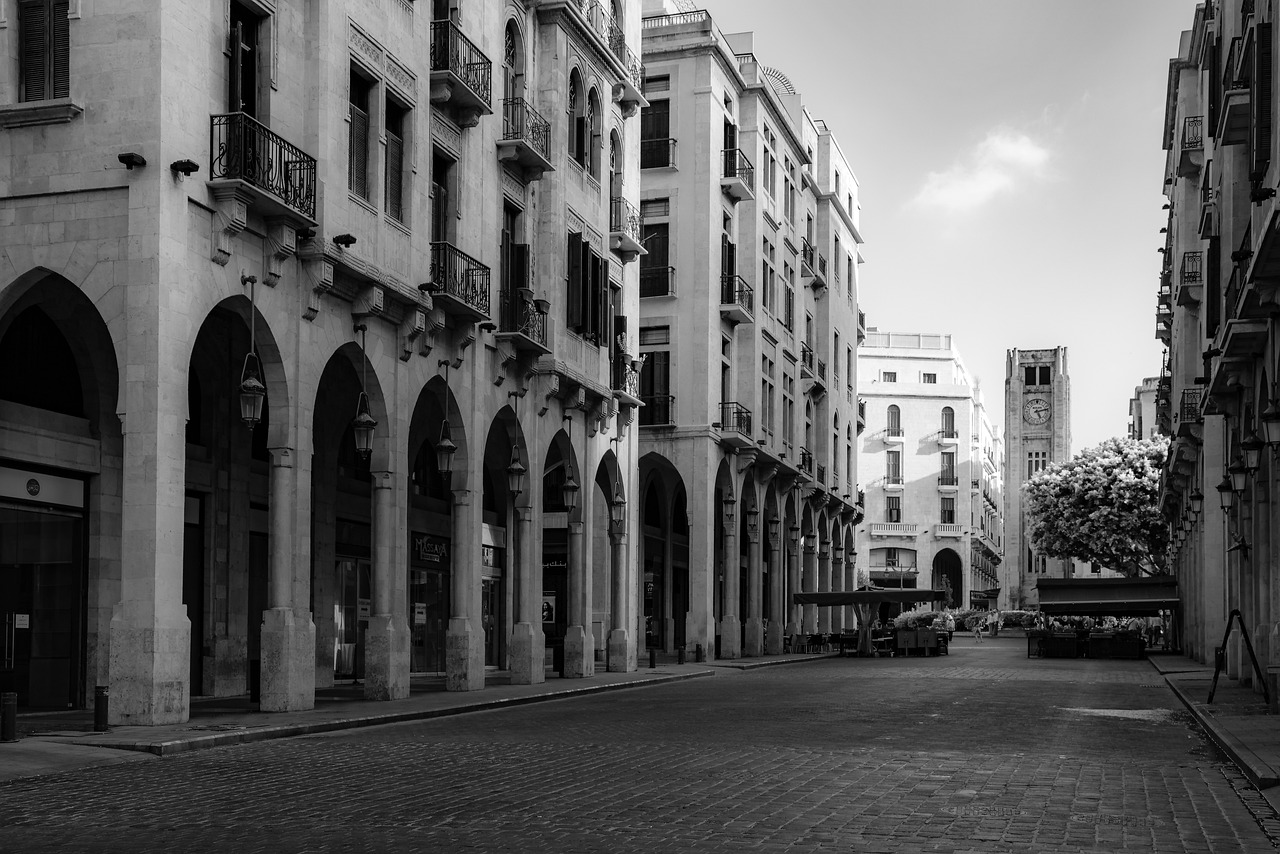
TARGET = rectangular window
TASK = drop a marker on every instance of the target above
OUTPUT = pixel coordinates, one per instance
(395, 173)
(243, 55)
(948, 510)
(655, 387)
(656, 275)
(949, 465)
(1029, 375)
(442, 219)
(655, 133)
(1044, 375)
(44, 50)
(655, 207)
(892, 513)
(835, 361)
(928, 378)
(587, 306)
(788, 408)
(766, 392)
(1037, 461)
(889, 376)
(657, 83)
(893, 466)
(358, 136)
(651, 335)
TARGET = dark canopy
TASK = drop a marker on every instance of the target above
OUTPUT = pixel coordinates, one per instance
(1108, 597)
(869, 596)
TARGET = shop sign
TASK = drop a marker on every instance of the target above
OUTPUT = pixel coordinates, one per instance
(364, 608)
(419, 613)
(22, 621)
(428, 548)
(548, 606)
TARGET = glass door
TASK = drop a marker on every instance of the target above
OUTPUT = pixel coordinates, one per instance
(354, 576)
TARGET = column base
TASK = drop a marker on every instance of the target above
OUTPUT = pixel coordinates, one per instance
(619, 652)
(386, 658)
(288, 661)
(579, 653)
(460, 670)
(226, 672)
(150, 665)
(528, 656)
(730, 637)
(755, 638)
(773, 639)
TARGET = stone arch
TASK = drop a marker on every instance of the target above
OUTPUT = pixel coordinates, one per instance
(277, 407)
(594, 134)
(948, 573)
(515, 62)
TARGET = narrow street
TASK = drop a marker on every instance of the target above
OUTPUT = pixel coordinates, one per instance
(982, 750)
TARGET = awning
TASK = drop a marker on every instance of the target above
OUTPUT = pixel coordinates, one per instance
(1108, 597)
(869, 596)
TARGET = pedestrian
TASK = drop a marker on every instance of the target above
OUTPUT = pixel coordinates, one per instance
(976, 623)
(950, 623)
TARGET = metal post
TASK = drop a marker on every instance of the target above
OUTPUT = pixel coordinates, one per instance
(680, 656)
(699, 654)
(101, 700)
(8, 716)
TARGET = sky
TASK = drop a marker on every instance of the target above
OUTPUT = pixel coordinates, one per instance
(1009, 160)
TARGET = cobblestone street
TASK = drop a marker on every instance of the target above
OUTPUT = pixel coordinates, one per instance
(981, 751)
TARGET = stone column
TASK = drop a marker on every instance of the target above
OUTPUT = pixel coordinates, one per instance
(777, 607)
(755, 580)
(464, 639)
(386, 641)
(824, 586)
(528, 654)
(730, 625)
(809, 584)
(793, 611)
(579, 654)
(619, 654)
(288, 634)
(836, 585)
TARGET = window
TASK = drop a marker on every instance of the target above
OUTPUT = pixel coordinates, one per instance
(655, 381)
(893, 420)
(948, 510)
(358, 135)
(948, 421)
(928, 379)
(889, 376)
(893, 466)
(657, 83)
(848, 360)
(442, 211)
(788, 408)
(1037, 461)
(651, 335)
(892, 513)
(766, 392)
(949, 467)
(394, 178)
(1036, 375)
(655, 267)
(655, 207)
(767, 275)
(655, 133)
(587, 305)
(44, 48)
(242, 77)
(835, 361)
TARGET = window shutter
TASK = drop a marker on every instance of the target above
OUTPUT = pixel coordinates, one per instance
(60, 51)
(520, 265)
(395, 177)
(1260, 101)
(33, 26)
(234, 79)
(1215, 86)
(573, 301)
(580, 140)
(591, 297)
(358, 154)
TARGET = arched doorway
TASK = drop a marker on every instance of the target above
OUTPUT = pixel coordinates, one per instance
(506, 586)
(948, 574)
(664, 557)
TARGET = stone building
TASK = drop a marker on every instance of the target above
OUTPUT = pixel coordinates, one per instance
(310, 319)
(1143, 420)
(1219, 291)
(748, 331)
(933, 467)
(1037, 433)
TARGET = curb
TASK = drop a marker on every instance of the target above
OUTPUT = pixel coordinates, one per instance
(1250, 764)
(756, 665)
(203, 742)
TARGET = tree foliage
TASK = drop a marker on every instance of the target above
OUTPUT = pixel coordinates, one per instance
(1102, 506)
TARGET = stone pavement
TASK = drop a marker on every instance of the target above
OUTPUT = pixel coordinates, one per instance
(980, 751)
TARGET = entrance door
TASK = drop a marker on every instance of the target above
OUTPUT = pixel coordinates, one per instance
(428, 619)
(41, 608)
(354, 576)
(491, 619)
(193, 586)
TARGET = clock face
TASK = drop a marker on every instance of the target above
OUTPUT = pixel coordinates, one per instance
(1036, 410)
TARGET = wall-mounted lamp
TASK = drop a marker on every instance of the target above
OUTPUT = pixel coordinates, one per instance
(445, 449)
(186, 167)
(1252, 446)
(346, 241)
(774, 524)
(130, 159)
(1197, 501)
(1239, 473)
(753, 521)
(1226, 494)
(1270, 418)
(364, 423)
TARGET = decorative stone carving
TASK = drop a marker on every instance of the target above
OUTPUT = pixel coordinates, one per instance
(552, 382)
(230, 215)
(282, 244)
(506, 356)
(318, 273)
(413, 325)
(747, 458)
(371, 300)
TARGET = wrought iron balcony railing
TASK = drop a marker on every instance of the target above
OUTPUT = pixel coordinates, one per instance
(657, 281)
(453, 52)
(806, 461)
(520, 121)
(895, 432)
(625, 378)
(1189, 408)
(822, 370)
(618, 47)
(806, 357)
(520, 315)
(736, 165)
(457, 274)
(735, 418)
(658, 410)
(1190, 272)
(948, 480)
(821, 475)
(624, 219)
(242, 148)
(735, 290)
(657, 153)
(1193, 132)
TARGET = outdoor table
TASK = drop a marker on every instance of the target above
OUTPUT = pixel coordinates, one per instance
(1061, 645)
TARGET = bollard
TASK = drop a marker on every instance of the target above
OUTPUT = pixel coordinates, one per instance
(101, 703)
(699, 654)
(8, 716)
(653, 658)
(255, 680)
(680, 656)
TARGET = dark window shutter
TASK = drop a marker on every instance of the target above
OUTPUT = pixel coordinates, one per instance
(1260, 101)
(33, 56)
(60, 51)
(358, 155)
(520, 265)
(591, 295)
(1215, 87)
(1213, 290)
(235, 81)
(395, 177)
(573, 301)
(580, 140)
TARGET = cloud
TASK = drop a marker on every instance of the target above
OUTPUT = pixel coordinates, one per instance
(997, 164)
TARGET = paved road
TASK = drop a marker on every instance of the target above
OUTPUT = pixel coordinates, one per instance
(980, 751)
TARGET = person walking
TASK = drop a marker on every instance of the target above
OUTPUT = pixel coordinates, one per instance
(976, 623)
(949, 622)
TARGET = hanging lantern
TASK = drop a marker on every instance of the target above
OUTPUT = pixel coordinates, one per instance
(569, 489)
(1226, 494)
(515, 473)
(362, 427)
(1252, 447)
(1197, 502)
(1271, 424)
(445, 449)
(252, 392)
(774, 524)
(618, 509)
(1239, 473)
(753, 521)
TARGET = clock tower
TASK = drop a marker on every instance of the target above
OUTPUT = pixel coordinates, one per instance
(1037, 432)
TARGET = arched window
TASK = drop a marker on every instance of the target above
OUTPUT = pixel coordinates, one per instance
(591, 157)
(808, 425)
(835, 450)
(577, 118)
(616, 163)
(848, 458)
(948, 422)
(893, 421)
(513, 62)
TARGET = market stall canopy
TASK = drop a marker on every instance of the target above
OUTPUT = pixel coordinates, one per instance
(869, 596)
(1108, 597)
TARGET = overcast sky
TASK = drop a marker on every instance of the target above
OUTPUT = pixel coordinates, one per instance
(1010, 164)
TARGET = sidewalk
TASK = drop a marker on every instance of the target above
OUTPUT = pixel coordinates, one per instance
(1237, 721)
(62, 741)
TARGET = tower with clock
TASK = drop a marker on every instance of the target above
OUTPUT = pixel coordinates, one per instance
(1037, 415)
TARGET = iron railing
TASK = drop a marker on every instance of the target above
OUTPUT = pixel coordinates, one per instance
(1190, 272)
(862, 320)
(659, 410)
(808, 254)
(520, 315)
(618, 46)
(821, 476)
(862, 410)
(1193, 132)
(736, 165)
(806, 357)
(806, 461)
(657, 153)
(734, 289)
(624, 218)
(1189, 409)
(657, 281)
(453, 52)
(520, 121)
(894, 432)
(735, 418)
(462, 277)
(241, 147)
(625, 378)
(822, 370)
(948, 480)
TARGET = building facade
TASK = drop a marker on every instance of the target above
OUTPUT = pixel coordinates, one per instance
(1143, 417)
(1037, 433)
(310, 316)
(932, 465)
(748, 334)
(1216, 308)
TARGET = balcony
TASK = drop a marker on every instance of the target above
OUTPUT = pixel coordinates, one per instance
(1191, 153)
(522, 323)
(813, 266)
(948, 482)
(248, 158)
(1190, 279)
(893, 435)
(894, 529)
(862, 415)
(862, 326)
(626, 381)
(806, 362)
(459, 283)
(1189, 413)
(738, 176)
(624, 229)
(526, 137)
(893, 482)
(737, 301)
(948, 437)
(821, 475)
(944, 529)
(734, 425)
(461, 76)
(658, 411)
(657, 153)
(657, 281)
(1233, 110)
(632, 80)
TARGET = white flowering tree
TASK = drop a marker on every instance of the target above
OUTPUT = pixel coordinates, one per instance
(1102, 507)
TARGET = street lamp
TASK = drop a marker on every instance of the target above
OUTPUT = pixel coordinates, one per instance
(1226, 494)
(1252, 447)
(774, 524)
(445, 449)
(1197, 501)
(753, 521)
(618, 509)
(727, 505)
(1271, 424)
(252, 391)
(364, 423)
(1238, 472)
(569, 489)
(515, 473)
